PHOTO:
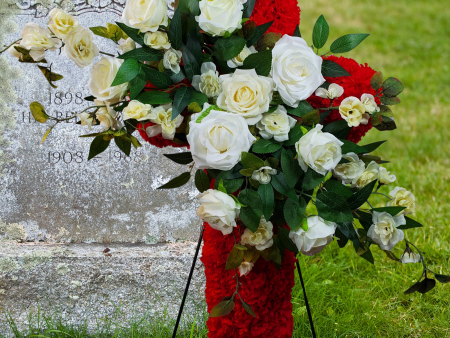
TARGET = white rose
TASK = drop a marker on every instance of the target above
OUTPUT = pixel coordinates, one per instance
(102, 75)
(219, 139)
(384, 230)
(37, 40)
(316, 238)
(107, 118)
(62, 23)
(136, 110)
(80, 47)
(296, 69)
(157, 40)
(276, 124)
(246, 93)
(86, 119)
(245, 268)
(347, 172)
(162, 116)
(402, 198)
(145, 15)
(220, 16)
(368, 175)
(353, 110)
(264, 175)
(238, 60)
(172, 59)
(318, 150)
(384, 176)
(410, 257)
(333, 91)
(127, 45)
(208, 82)
(369, 103)
(262, 238)
(219, 210)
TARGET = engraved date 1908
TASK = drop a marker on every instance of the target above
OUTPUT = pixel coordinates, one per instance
(114, 156)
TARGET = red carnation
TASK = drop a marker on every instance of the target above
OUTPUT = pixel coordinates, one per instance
(284, 13)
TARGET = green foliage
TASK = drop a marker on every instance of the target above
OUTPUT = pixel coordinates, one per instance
(182, 98)
(265, 192)
(226, 49)
(154, 97)
(175, 32)
(259, 32)
(127, 72)
(142, 54)
(223, 308)
(261, 62)
(294, 212)
(302, 109)
(333, 207)
(138, 84)
(248, 8)
(290, 167)
(98, 145)
(180, 158)
(133, 33)
(263, 146)
(312, 179)
(320, 32)
(38, 112)
(158, 79)
(251, 214)
(347, 42)
(177, 181)
(332, 69)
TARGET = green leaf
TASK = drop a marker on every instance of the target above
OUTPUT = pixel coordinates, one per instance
(290, 167)
(342, 239)
(294, 135)
(297, 32)
(311, 180)
(389, 101)
(303, 108)
(377, 81)
(340, 129)
(413, 288)
(221, 188)
(191, 65)
(365, 219)
(410, 223)
(180, 158)
(142, 54)
(38, 112)
(248, 29)
(158, 79)
(259, 32)
(263, 146)
(114, 32)
(426, 285)
(182, 98)
(223, 308)
(226, 49)
(49, 75)
(202, 180)
(265, 192)
(333, 207)
(123, 145)
(248, 8)
(100, 31)
(332, 69)
(280, 183)
(338, 188)
(283, 235)
(442, 278)
(137, 84)
(98, 146)
(261, 62)
(189, 7)
(250, 215)
(235, 258)
(347, 42)
(230, 186)
(175, 32)
(350, 147)
(154, 97)
(392, 87)
(347, 229)
(372, 146)
(177, 181)
(127, 72)
(294, 212)
(383, 123)
(251, 161)
(247, 307)
(393, 211)
(320, 32)
(361, 196)
(133, 33)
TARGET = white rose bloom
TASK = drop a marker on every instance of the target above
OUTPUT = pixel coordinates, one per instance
(208, 82)
(245, 268)
(102, 75)
(238, 61)
(369, 103)
(125, 45)
(262, 238)
(368, 175)
(316, 238)
(62, 23)
(347, 172)
(276, 124)
(220, 16)
(219, 139)
(410, 257)
(318, 150)
(384, 230)
(37, 40)
(172, 59)
(353, 111)
(157, 40)
(162, 116)
(245, 93)
(80, 47)
(137, 110)
(145, 15)
(402, 198)
(219, 210)
(264, 175)
(86, 119)
(296, 69)
(334, 91)
(384, 176)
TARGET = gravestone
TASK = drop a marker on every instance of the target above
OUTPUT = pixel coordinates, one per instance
(60, 212)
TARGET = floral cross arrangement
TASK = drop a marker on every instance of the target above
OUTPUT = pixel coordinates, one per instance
(271, 125)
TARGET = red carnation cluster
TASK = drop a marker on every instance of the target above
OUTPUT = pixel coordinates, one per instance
(284, 13)
(355, 85)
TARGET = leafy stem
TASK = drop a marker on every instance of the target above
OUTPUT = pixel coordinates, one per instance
(107, 54)
(6, 47)
(379, 193)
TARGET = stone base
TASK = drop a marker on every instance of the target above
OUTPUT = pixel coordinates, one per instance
(83, 282)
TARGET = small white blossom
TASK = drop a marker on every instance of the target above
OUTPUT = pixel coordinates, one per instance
(162, 116)
(263, 175)
(245, 268)
(353, 111)
(385, 177)
(410, 257)
(262, 238)
(208, 82)
(172, 59)
(369, 103)
(402, 198)
(384, 230)
(334, 91)
(238, 60)
(276, 124)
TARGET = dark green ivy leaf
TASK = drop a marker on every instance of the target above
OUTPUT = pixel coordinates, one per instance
(137, 84)
(191, 65)
(248, 8)
(297, 32)
(393, 211)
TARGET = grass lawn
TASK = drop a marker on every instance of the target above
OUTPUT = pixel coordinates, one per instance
(410, 40)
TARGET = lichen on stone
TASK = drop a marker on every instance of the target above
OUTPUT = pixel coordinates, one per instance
(62, 268)
(30, 261)
(8, 264)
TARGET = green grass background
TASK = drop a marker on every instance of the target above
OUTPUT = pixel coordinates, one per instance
(410, 40)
